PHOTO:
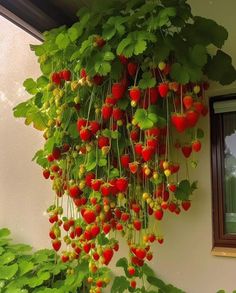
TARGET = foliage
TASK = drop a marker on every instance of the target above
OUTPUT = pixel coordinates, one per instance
(22, 270)
(117, 88)
(150, 283)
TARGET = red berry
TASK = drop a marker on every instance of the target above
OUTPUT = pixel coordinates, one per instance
(122, 184)
(81, 123)
(56, 78)
(186, 204)
(106, 111)
(117, 114)
(133, 284)
(192, 118)
(132, 68)
(46, 173)
(66, 74)
(163, 89)
(147, 153)
(107, 255)
(179, 121)
(94, 126)
(125, 159)
(140, 253)
(56, 153)
(103, 141)
(106, 228)
(118, 90)
(56, 244)
(188, 102)
(137, 225)
(196, 145)
(89, 216)
(186, 150)
(85, 134)
(75, 191)
(135, 94)
(158, 214)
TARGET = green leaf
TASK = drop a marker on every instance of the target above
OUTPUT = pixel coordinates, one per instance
(123, 44)
(179, 73)
(219, 68)
(183, 190)
(7, 258)
(7, 272)
(153, 117)
(200, 133)
(198, 55)
(147, 270)
(102, 163)
(146, 124)
(4, 232)
(22, 109)
(42, 81)
(25, 267)
(108, 56)
(37, 118)
(102, 239)
(147, 81)
(205, 31)
(30, 86)
(140, 115)
(140, 47)
(154, 281)
(62, 41)
(119, 285)
(164, 16)
(122, 263)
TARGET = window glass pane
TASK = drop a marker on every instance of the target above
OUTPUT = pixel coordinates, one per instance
(229, 131)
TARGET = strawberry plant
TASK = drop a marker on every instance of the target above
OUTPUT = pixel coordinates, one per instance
(22, 270)
(118, 102)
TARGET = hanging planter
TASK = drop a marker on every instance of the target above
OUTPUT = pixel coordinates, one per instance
(119, 102)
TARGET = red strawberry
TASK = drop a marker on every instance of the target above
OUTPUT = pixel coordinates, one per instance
(163, 89)
(85, 134)
(81, 123)
(103, 141)
(106, 189)
(66, 74)
(99, 41)
(135, 94)
(95, 230)
(122, 184)
(83, 73)
(133, 284)
(123, 59)
(52, 235)
(192, 118)
(125, 217)
(147, 153)
(46, 173)
(118, 213)
(196, 145)
(132, 68)
(88, 178)
(110, 100)
(98, 79)
(158, 214)
(152, 238)
(106, 111)
(152, 143)
(186, 204)
(186, 150)
(116, 246)
(198, 106)
(136, 208)
(75, 191)
(96, 184)
(56, 244)
(117, 114)
(106, 228)
(56, 78)
(149, 256)
(140, 253)
(133, 167)
(50, 158)
(188, 102)
(87, 247)
(131, 271)
(125, 159)
(78, 231)
(179, 121)
(134, 134)
(118, 90)
(138, 148)
(89, 216)
(107, 254)
(96, 256)
(137, 225)
(172, 187)
(155, 132)
(153, 94)
(56, 153)
(94, 126)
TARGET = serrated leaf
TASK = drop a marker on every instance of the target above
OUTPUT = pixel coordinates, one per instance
(164, 16)
(108, 56)
(123, 44)
(146, 124)
(7, 272)
(22, 109)
(140, 115)
(219, 68)
(153, 117)
(140, 47)
(62, 41)
(198, 55)
(122, 262)
(102, 162)
(147, 270)
(25, 267)
(30, 86)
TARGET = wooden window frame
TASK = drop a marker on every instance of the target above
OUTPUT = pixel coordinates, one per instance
(220, 238)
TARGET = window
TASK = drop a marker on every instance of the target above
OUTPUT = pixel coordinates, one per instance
(223, 162)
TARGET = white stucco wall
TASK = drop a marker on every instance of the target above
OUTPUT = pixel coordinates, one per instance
(185, 259)
(23, 194)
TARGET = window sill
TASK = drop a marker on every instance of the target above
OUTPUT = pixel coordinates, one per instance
(224, 251)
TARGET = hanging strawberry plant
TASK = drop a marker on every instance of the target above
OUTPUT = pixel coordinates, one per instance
(119, 101)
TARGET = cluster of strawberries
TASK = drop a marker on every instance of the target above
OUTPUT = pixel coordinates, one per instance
(146, 178)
